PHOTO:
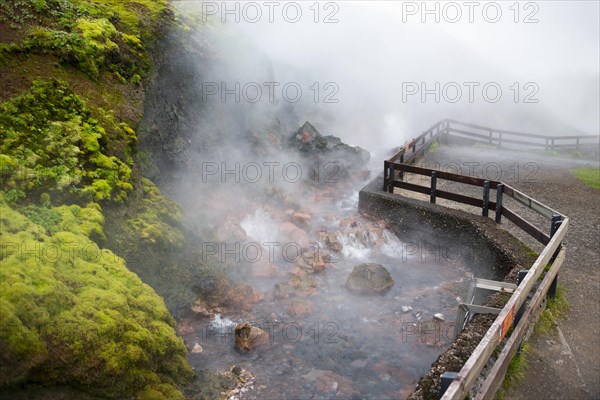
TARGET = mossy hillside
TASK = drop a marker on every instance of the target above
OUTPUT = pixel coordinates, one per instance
(73, 314)
(50, 142)
(70, 104)
(110, 35)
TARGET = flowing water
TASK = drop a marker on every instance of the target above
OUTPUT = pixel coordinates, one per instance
(345, 345)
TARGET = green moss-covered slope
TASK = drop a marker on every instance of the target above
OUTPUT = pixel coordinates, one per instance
(72, 313)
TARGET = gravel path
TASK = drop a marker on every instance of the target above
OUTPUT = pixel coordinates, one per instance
(565, 363)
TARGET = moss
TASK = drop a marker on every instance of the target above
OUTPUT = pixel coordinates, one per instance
(50, 142)
(73, 314)
(556, 307)
(157, 221)
(110, 35)
(515, 371)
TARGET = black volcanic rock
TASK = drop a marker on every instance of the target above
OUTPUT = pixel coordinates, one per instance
(328, 149)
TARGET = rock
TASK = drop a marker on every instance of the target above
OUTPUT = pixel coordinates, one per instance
(249, 337)
(348, 222)
(314, 259)
(328, 150)
(231, 232)
(299, 218)
(262, 267)
(299, 307)
(330, 383)
(197, 348)
(369, 279)
(283, 290)
(438, 316)
(406, 309)
(296, 235)
(358, 363)
(332, 242)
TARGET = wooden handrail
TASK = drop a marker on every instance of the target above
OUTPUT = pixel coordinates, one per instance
(468, 374)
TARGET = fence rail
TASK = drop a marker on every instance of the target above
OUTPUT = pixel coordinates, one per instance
(399, 165)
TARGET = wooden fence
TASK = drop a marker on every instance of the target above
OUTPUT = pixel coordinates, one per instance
(399, 165)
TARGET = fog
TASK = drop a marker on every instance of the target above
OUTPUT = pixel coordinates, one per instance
(394, 70)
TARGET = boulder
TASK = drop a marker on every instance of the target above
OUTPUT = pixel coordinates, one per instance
(249, 337)
(329, 150)
(369, 279)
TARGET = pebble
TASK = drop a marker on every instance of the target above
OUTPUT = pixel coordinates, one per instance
(406, 309)
(197, 348)
(438, 316)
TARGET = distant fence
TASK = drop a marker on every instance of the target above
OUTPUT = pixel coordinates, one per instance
(396, 167)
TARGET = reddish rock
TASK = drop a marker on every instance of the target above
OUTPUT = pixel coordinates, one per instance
(299, 218)
(296, 235)
(249, 337)
(299, 307)
(348, 223)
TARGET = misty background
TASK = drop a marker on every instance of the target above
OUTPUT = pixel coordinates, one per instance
(372, 53)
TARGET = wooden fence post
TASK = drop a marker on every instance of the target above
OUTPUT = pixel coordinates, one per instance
(555, 224)
(486, 198)
(433, 186)
(386, 173)
(499, 191)
(392, 178)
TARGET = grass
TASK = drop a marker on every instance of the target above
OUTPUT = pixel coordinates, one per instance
(589, 176)
(516, 370)
(555, 308)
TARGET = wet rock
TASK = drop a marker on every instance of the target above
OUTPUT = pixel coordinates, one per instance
(299, 307)
(358, 363)
(262, 267)
(184, 328)
(197, 348)
(283, 290)
(304, 285)
(294, 234)
(348, 222)
(332, 242)
(230, 232)
(369, 279)
(249, 337)
(331, 149)
(301, 219)
(330, 383)
(315, 259)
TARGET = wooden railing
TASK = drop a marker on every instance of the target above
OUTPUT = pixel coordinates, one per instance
(399, 165)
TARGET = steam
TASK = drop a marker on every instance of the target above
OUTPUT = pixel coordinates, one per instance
(550, 55)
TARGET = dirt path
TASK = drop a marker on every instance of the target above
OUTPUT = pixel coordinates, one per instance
(565, 363)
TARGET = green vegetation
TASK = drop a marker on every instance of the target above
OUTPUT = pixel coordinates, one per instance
(516, 370)
(556, 308)
(50, 141)
(433, 147)
(589, 176)
(73, 314)
(94, 36)
(157, 221)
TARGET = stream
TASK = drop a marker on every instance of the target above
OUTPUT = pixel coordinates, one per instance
(328, 342)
